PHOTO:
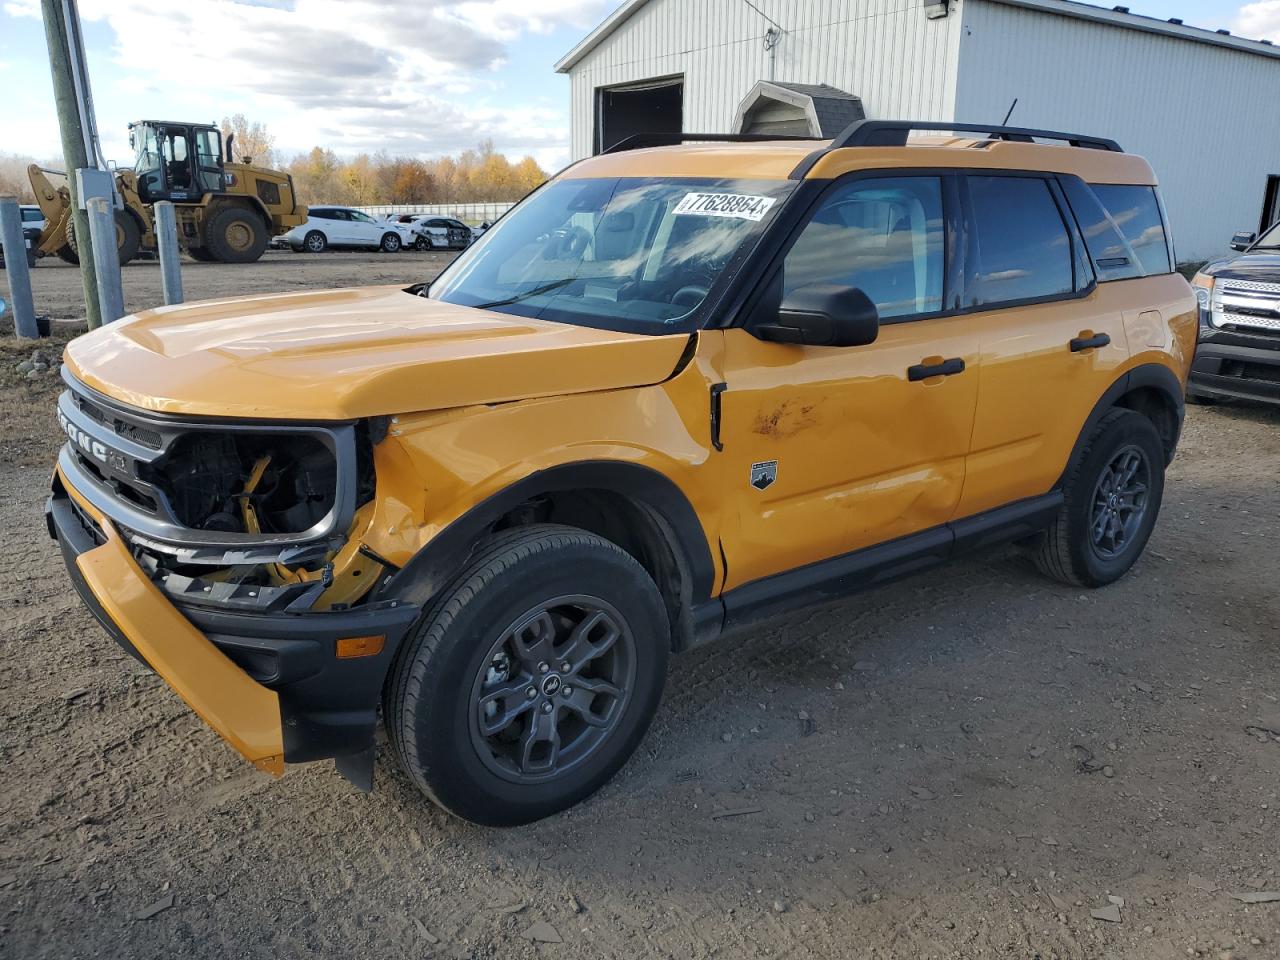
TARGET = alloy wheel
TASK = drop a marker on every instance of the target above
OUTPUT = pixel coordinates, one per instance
(552, 689)
(1119, 502)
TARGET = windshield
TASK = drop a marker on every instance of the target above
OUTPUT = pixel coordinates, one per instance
(1269, 240)
(634, 254)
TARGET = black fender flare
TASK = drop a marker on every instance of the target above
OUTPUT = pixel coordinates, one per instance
(1147, 375)
(432, 567)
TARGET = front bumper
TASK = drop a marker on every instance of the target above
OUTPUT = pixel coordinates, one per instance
(270, 684)
(1236, 366)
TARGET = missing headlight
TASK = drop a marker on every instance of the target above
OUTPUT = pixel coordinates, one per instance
(268, 483)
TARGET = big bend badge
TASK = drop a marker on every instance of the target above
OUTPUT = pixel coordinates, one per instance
(763, 474)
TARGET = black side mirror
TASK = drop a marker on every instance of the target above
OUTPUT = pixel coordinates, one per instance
(823, 315)
(1243, 241)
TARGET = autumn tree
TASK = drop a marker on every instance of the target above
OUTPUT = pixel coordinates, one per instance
(480, 174)
(252, 140)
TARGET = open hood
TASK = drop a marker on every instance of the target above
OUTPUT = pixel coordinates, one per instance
(345, 354)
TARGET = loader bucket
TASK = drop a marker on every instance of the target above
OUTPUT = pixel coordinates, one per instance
(54, 197)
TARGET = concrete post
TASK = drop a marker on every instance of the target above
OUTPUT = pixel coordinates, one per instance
(166, 224)
(102, 229)
(15, 266)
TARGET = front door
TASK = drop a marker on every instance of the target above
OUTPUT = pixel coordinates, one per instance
(367, 231)
(829, 450)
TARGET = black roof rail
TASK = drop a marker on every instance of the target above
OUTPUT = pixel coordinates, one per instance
(894, 133)
(639, 141)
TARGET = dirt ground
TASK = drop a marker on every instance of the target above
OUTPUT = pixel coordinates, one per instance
(961, 765)
(58, 292)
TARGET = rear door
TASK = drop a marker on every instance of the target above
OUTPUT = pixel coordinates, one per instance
(1053, 339)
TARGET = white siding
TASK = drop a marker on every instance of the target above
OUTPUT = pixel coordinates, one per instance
(1206, 117)
(885, 51)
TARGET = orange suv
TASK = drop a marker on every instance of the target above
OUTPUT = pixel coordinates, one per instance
(677, 389)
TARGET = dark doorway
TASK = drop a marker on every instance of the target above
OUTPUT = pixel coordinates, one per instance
(653, 107)
(1270, 203)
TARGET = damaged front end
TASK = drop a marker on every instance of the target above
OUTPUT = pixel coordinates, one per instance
(253, 531)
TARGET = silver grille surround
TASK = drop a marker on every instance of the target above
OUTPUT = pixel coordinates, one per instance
(1230, 295)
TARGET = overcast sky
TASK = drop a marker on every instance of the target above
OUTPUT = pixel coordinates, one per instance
(410, 76)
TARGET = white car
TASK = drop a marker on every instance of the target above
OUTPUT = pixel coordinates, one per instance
(434, 232)
(32, 217)
(344, 227)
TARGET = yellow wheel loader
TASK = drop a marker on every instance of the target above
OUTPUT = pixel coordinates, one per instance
(226, 211)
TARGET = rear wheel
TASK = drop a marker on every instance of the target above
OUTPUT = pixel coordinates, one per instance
(1112, 498)
(235, 235)
(422, 243)
(313, 242)
(201, 254)
(532, 678)
(390, 242)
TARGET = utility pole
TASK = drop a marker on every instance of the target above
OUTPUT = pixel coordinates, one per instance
(76, 140)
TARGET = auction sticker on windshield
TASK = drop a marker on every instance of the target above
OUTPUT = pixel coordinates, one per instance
(738, 206)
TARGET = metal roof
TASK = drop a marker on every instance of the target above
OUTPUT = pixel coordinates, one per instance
(1118, 16)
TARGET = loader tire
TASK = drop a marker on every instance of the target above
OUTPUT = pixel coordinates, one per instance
(235, 235)
(128, 238)
(68, 255)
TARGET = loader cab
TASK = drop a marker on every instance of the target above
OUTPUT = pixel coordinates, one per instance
(176, 161)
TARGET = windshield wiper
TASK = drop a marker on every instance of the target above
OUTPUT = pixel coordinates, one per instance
(545, 288)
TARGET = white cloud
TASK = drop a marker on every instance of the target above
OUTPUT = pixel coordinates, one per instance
(412, 76)
(1259, 21)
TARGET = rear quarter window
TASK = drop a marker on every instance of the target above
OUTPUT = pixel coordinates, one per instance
(1113, 258)
(1023, 244)
(1136, 211)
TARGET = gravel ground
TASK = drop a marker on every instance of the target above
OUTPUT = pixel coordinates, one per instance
(967, 764)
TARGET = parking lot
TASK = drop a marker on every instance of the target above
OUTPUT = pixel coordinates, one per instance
(966, 764)
(59, 293)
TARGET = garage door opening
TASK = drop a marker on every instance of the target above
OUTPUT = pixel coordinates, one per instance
(656, 106)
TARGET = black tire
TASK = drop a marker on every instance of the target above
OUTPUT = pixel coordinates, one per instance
(434, 698)
(390, 243)
(201, 255)
(32, 258)
(1069, 551)
(235, 234)
(313, 242)
(128, 238)
(67, 255)
(423, 243)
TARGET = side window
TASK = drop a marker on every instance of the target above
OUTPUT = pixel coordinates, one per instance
(884, 236)
(1113, 258)
(1136, 211)
(1023, 245)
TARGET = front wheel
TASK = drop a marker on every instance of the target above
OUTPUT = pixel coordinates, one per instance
(234, 234)
(532, 678)
(422, 243)
(1112, 497)
(390, 242)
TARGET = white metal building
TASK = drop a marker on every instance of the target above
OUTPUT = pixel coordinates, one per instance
(1203, 107)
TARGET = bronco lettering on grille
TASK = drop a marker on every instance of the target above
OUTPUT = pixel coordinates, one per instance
(94, 448)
